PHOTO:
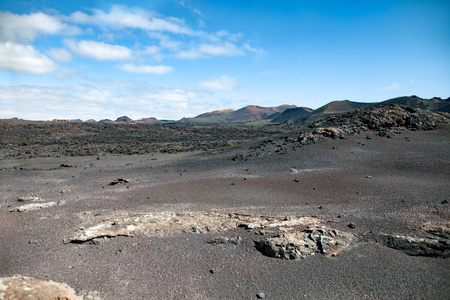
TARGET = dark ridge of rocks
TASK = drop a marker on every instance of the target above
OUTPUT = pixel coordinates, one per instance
(385, 120)
(28, 139)
(435, 243)
(386, 117)
(414, 245)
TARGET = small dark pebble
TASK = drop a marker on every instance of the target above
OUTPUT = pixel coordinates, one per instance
(444, 202)
(352, 225)
(32, 241)
(261, 296)
(320, 207)
(296, 180)
(213, 271)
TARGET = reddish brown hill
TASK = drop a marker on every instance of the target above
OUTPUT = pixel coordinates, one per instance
(246, 114)
(124, 119)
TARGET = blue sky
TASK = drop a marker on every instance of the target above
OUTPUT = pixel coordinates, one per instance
(172, 59)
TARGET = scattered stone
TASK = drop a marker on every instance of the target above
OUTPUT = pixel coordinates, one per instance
(28, 198)
(300, 244)
(33, 206)
(19, 287)
(65, 166)
(32, 241)
(224, 240)
(296, 180)
(352, 225)
(368, 176)
(261, 295)
(444, 202)
(213, 271)
(119, 180)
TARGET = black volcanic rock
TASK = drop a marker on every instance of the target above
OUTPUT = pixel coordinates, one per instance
(434, 104)
(380, 118)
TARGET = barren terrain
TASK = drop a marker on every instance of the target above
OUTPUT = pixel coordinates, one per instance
(354, 217)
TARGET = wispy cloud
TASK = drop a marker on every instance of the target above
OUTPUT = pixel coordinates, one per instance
(26, 28)
(223, 82)
(60, 55)
(392, 87)
(161, 69)
(99, 50)
(24, 59)
(259, 51)
(208, 50)
(124, 17)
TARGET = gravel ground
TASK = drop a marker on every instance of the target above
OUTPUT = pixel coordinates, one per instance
(382, 185)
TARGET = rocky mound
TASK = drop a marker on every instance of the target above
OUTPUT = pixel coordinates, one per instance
(300, 244)
(385, 120)
(380, 118)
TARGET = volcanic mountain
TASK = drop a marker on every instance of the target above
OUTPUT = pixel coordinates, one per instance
(343, 106)
(245, 114)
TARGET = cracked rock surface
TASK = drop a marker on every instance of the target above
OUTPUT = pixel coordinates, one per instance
(435, 244)
(20, 287)
(167, 223)
(307, 242)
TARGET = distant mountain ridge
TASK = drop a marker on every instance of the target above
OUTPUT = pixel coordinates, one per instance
(248, 113)
(284, 113)
(344, 106)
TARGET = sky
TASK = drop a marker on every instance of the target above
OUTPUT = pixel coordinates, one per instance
(171, 59)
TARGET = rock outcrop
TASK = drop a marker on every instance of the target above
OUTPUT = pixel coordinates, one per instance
(307, 242)
(20, 287)
(166, 223)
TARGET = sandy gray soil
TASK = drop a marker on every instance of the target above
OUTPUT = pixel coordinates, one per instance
(381, 185)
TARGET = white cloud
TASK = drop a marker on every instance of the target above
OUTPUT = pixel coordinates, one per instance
(24, 59)
(194, 10)
(151, 50)
(206, 50)
(226, 49)
(176, 95)
(259, 51)
(60, 55)
(123, 17)
(147, 69)
(99, 50)
(165, 41)
(220, 83)
(90, 102)
(26, 28)
(392, 87)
